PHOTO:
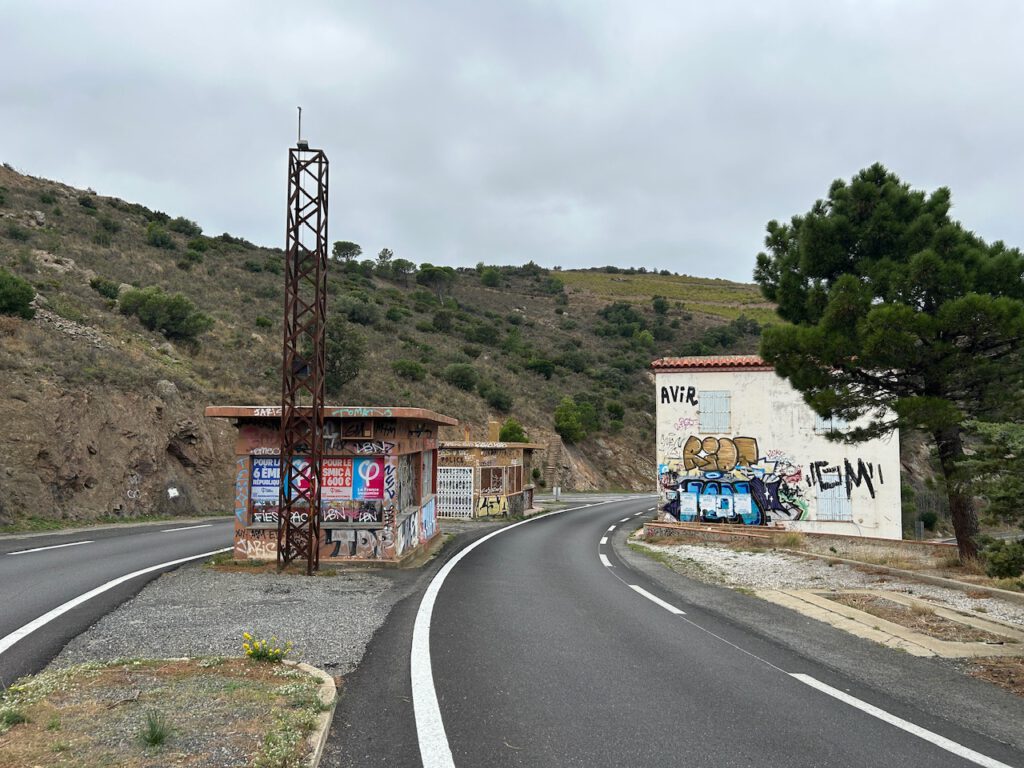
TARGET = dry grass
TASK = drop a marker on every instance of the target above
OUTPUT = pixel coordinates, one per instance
(145, 714)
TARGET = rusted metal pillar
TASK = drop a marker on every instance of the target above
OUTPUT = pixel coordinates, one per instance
(302, 380)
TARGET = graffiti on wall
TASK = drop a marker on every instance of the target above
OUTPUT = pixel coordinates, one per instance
(241, 488)
(492, 505)
(727, 480)
(826, 477)
(406, 536)
(429, 522)
(361, 544)
(256, 544)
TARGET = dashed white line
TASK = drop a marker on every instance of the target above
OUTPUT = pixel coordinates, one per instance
(624, 520)
(611, 528)
(46, 618)
(940, 741)
(189, 528)
(639, 513)
(652, 509)
(604, 539)
(604, 560)
(55, 546)
(657, 600)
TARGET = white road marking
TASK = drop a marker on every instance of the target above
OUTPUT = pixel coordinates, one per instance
(655, 599)
(604, 539)
(604, 560)
(189, 528)
(940, 741)
(43, 549)
(434, 749)
(46, 618)
(639, 513)
(624, 520)
(611, 528)
(652, 509)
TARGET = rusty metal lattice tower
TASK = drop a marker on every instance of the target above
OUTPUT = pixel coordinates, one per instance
(302, 380)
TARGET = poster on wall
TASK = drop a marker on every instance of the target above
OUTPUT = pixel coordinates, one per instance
(266, 479)
(337, 479)
(742, 504)
(368, 479)
(688, 504)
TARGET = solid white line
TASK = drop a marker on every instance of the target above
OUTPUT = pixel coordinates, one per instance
(604, 560)
(611, 528)
(604, 539)
(434, 749)
(46, 618)
(189, 528)
(940, 741)
(55, 546)
(624, 520)
(655, 599)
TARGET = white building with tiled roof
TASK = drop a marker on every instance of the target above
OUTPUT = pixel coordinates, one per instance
(737, 443)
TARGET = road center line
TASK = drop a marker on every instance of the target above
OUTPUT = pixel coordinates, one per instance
(435, 752)
(604, 539)
(652, 509)
(639, 513)
(940, 741)
(657, 600)
(604, 559)
(611, 528)
(624, 520)
(55, 546)
(189, 528)
(46, 618)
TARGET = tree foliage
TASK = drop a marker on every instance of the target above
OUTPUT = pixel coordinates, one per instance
(899, 316)
(512, 432)
(344, 354)
(344, 250)
(567, 421)
(440, 279)
(16, 296)
(172, 314)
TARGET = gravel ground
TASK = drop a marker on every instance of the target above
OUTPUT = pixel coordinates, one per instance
(776, 570)
(196, 611)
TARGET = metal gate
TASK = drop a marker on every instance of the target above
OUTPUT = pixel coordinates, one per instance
(455, 492)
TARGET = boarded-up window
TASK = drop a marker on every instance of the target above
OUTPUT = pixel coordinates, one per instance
(492, 481)
(823, 426)
(713, 408)
(427, 475)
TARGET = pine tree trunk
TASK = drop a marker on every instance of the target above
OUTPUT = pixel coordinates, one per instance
(961, 507)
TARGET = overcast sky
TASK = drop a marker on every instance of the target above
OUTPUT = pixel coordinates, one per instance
(574, 133)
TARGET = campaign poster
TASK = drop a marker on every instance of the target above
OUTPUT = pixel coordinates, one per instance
(337, 479)
(368, 478)
(266, 479)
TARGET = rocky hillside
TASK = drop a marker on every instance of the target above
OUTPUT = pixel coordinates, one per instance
(102, 417)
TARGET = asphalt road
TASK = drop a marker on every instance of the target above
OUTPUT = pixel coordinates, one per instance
(544, 655)
(69, 565)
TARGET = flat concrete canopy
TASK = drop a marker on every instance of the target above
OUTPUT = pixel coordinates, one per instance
(334, 412)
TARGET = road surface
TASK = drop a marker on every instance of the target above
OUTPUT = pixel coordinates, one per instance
(545, 648)
(41, 574)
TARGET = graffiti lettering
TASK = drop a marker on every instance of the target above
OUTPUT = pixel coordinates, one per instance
(826, 477)
(419, 429)
(719, 454)
(686, 395)
(372, 447)
(386, 428)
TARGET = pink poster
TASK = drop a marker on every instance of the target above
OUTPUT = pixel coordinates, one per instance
(337, 479)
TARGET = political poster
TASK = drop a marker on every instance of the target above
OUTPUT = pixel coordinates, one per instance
(266, 479)
(337, 479)
(368, 478)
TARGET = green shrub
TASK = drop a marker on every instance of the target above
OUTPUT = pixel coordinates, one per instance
(541, 366)
(514, 319)
(16, 296)
(251, 265)
(1004, 560)
(471, 351)
(512, 432)
(108, 289)
(102, 239)
(87, 201)
(17, 233)
(200, 244)
(615, 426)
(660, 304)
(3, 197)
(616, 410)
(461, 375)
(173, 315)
(443, 320)
(929, 519)
(185, 227)
(273, 264)
(490, 277)
(395, 314)
(495, 396)
(409, 369)
(345, 354)
(567, 421)
(108, 224)
(264, 322)
(48, 197)
(357, 308)
(158, 237)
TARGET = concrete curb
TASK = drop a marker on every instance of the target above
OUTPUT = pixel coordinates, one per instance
(939, 581)
(328, 695)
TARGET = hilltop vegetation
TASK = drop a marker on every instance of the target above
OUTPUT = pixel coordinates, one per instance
(142, 319)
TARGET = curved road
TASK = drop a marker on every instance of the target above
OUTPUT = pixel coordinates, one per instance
(547, 649)
(40, 573)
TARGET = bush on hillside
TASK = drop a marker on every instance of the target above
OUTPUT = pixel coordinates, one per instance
(495, 396)
(16, 296)
(344, 353)
(185, 227)
(461, 375)
(541, 366)
(173, 315)
(158, 237)
(567, 421)
(357, 308)
(17, 233)
(409, 369)
(490, 277)
(512, 432)
(1004, 560)
(108, 289)
(87, 201)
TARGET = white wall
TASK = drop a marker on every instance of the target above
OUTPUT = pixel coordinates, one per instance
(794, 468)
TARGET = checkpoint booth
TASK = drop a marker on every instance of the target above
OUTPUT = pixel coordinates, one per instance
(484, 478)
(379, 481)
